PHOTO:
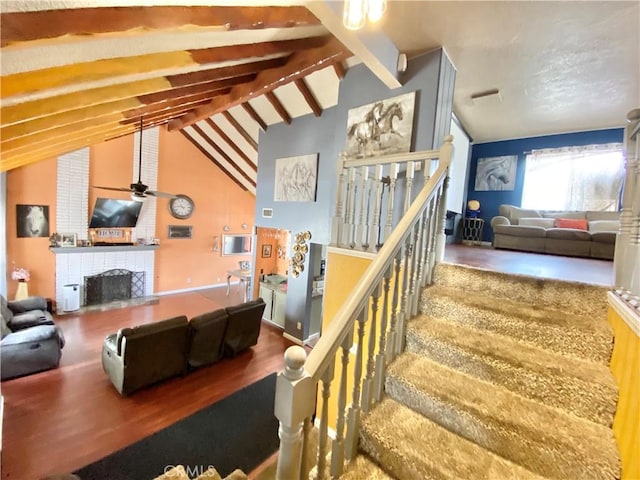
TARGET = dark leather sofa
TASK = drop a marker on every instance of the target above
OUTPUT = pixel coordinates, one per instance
(31, 342)
(134, 358)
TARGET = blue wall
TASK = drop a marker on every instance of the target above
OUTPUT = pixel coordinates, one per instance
(489, 201)
(431, 75)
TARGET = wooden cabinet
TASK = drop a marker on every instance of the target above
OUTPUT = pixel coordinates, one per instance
(275, 304)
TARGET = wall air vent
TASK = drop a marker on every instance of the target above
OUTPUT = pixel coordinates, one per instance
(267, 212)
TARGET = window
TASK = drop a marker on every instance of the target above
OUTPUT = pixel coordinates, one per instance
(574, 178)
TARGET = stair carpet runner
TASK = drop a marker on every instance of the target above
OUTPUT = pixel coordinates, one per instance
(503, 377)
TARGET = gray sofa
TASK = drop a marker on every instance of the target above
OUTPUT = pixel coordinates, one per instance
(517, 228)
(31, 342)
(134, 358)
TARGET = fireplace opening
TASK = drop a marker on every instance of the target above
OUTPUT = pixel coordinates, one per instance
(113, 285)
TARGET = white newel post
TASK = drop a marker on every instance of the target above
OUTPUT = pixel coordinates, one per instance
(446, 152)
(295, 401)
(627, 252)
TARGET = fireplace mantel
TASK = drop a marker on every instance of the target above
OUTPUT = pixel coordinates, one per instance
(109, 248)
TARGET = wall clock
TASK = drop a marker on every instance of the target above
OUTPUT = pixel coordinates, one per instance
(181, 207)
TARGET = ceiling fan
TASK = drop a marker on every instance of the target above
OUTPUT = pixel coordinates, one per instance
(139, 191)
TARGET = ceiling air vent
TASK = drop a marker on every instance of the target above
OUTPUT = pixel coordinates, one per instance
(486, 97)
(267, 212)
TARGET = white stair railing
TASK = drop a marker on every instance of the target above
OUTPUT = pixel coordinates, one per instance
(368, 330)
(627, 253)
(364, 218)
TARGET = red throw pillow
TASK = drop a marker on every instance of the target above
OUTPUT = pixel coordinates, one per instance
(576, 223)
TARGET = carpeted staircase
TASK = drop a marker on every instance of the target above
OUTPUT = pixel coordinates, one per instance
(503, 377)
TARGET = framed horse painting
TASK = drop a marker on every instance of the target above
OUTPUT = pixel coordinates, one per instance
(32, 220)
(380, 128)
(496, 173)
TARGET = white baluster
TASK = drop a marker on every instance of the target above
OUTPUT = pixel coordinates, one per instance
(375, 221)
(363, 226)
(407, 193)
(353, 416)
(367, 389)
(338, 219)
(391, 339)
(326, 380)
(393, 176)
(337, 450)
(382, 343)
(347, 238)
(441, 238)
(402, 314)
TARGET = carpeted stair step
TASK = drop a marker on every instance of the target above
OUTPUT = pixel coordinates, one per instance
(541, 439)
(588, 338)
(569, 297)
(361, 468)
(586, 389)
(412, 447)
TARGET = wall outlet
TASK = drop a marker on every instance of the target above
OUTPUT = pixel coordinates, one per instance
(188, 279)
(299, 325)
(218, 279)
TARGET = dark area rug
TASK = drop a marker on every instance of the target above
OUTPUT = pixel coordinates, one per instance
(239, 431)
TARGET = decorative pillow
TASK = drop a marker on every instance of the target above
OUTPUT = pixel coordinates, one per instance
(604, 226)
(537, 222)
(577, 224)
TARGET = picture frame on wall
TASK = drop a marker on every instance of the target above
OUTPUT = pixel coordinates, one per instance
(32, 220)
(67, 239)
(296, 179)
(496, 174)
(266, 250)
(180, 231)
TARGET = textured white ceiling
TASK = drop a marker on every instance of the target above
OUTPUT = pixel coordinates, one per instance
(560, 66)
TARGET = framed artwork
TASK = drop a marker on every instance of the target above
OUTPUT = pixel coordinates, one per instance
(380, 128)
(296, 179)
(496, 173)
(32, 220)
(180, 231)
(67, 239)
(266, 250)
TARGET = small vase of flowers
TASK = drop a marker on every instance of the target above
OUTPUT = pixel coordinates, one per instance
(20, 274)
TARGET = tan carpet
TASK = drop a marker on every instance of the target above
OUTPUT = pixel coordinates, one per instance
(503, 377)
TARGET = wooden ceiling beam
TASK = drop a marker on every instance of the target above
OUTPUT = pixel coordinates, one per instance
(246, 106)
(123, 67)
(240, 129)
(186, 101)
(340, 70)
(194, 89)
(222, 153)
(162, 114)
(27, 26)
(212, 159)
(279, 107)
(231, 143)
(204, 76)
(311, 100)
(300, 65)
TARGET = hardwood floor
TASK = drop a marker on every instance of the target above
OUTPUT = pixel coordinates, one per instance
(60, 420)
(63, 419)
(574, 269)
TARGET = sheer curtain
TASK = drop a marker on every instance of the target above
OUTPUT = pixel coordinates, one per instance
(574, 178)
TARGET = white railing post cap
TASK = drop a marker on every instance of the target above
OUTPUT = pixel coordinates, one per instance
(294, 359)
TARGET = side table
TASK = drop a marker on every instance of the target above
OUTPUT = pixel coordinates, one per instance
(472, 230)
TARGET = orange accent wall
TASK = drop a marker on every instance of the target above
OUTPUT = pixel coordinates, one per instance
(33, 184)
(187, 263)
(179, 264)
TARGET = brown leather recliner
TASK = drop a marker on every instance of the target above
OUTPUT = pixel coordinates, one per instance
(207, 337)
(243, 327)
(136, 357)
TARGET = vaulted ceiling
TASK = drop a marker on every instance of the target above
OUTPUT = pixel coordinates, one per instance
(74, 74)
(76, 77)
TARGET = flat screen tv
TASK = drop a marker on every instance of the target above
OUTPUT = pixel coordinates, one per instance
(115, 213)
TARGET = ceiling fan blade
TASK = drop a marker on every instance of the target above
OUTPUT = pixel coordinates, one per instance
(160, 194)
(117, 189)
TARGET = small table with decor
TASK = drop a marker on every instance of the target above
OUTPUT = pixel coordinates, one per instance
(245, 278)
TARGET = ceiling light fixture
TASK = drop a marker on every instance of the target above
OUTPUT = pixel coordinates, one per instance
(356, 12)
